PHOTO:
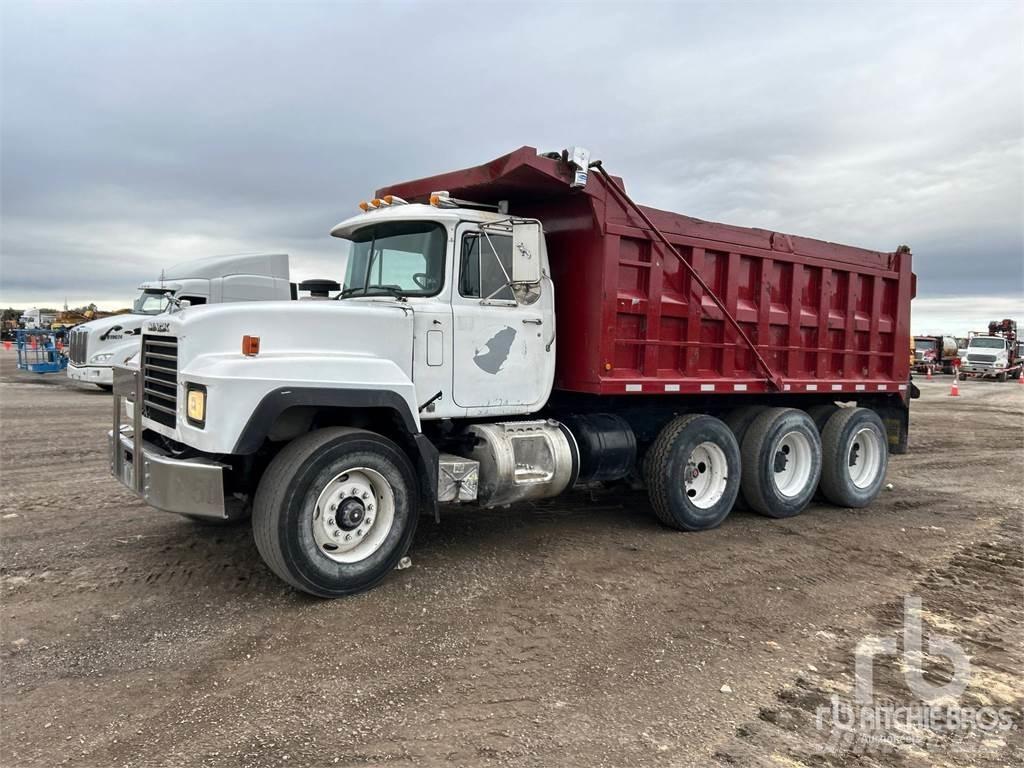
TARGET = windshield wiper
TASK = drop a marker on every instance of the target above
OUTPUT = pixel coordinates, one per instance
(365, 291)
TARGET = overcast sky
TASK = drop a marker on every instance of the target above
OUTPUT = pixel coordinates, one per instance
(136, 136)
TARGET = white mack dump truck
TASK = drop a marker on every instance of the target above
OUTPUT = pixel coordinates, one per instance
(699, 358)
(95, 347)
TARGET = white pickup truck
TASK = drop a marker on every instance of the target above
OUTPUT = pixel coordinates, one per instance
(94, 348)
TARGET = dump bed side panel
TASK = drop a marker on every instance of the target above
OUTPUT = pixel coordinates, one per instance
(824, 317)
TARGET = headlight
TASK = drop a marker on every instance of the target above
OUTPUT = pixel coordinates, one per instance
(196, 405)
(102, 358)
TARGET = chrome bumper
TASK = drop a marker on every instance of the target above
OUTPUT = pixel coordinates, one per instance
(193, 486)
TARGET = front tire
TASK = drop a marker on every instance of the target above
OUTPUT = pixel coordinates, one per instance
(692, 473)
(335, 511)
(781, 462)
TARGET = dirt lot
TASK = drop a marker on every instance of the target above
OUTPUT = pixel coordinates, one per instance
(574, 633)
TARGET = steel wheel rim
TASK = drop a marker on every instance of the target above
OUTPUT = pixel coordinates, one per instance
(353, 515)
(705, 475)
(791, 464)
(865, 459)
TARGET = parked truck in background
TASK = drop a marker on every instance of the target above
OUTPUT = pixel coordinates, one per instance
(95, 347)
(995, 354)
(36, 319)
(705, 360)
(938, 353)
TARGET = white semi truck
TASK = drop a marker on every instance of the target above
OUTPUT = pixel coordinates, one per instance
(95, 347)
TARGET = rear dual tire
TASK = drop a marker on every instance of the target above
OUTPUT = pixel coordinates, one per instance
(855, 457)
(781, 462)
(692, 472)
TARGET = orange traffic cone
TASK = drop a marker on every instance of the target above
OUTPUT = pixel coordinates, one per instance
(929, 373)
(7, 346)
(1020, 375)
(955, 389)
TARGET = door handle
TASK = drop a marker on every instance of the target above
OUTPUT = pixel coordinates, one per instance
(532, 322)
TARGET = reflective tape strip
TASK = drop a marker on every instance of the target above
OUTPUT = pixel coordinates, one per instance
(786, 387)
(671, 387)
(739, 387)
(859, 387)
(812, 387)
(634, 387)
(836, 387)
(903, 386)
(882, 387)
(707, 387)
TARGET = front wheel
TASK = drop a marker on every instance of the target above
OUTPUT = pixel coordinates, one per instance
(335, 511)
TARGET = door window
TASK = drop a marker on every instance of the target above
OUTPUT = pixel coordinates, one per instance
(486, 268)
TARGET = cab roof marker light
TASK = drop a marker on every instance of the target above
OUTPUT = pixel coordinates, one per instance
(442, 200)
(375, 203)
(394, 200)
(364, 206)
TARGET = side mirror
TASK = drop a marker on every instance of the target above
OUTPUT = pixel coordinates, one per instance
(526, 250)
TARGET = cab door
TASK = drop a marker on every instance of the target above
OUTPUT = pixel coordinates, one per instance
(503, 361)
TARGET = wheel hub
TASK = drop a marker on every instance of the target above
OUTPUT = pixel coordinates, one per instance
(351, 513)
(705, 476)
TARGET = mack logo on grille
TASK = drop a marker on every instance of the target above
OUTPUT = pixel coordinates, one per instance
(158, 327)
(160, 378)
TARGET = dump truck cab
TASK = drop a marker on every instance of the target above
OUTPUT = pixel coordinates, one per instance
(483, 332)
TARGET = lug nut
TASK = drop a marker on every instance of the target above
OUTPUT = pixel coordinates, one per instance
(333, 507)
(369, 521)
(330, 521)
(337, 534)
(366, 495)
(347, 536)
(369, 507)
(359, 532)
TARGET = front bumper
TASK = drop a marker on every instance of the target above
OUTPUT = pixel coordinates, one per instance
(983, 369)
(193, 486)
(92, 374)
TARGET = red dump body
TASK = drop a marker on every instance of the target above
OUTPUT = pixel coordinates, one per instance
(824, 317)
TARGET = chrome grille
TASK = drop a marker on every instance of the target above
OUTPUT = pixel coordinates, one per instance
(78, 347)
(160, 379)
(981, 358)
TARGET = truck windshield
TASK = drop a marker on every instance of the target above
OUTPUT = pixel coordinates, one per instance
(150, 303)
(396, 257)
(989, 342)
(923, 345)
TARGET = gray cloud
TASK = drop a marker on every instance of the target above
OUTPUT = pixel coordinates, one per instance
(134, 137)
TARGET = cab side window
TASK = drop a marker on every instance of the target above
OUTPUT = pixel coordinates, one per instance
(194, 300)
(486, 265)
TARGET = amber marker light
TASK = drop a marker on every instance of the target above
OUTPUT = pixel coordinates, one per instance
(250, 346)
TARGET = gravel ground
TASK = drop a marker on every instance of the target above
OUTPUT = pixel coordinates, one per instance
(576, 632)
